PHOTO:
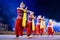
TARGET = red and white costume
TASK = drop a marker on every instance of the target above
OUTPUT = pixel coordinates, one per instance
(42, 26)
(29, 25)
(38, 25)
(50, 28)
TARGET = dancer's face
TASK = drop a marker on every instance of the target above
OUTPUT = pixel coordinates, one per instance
(39, 20)
(50, 23)
(22, 5)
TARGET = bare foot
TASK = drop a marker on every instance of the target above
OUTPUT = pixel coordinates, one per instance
(29, 37)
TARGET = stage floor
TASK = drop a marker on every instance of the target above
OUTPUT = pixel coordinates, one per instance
(24, 37)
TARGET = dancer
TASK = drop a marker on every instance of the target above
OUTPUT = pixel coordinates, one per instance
(38, 25)
(50, 29)
(42, 26)
(29, 24)
(18, 22)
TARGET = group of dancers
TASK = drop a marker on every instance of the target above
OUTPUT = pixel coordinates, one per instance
(22, 23)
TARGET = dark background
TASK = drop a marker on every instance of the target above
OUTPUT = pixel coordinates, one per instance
(48, 8)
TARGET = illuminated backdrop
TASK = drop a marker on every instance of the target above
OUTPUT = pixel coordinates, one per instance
(47, 8)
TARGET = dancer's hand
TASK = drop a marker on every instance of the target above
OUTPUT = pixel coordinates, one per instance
(26, 8)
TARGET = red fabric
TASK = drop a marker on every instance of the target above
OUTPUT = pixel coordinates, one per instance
(19, 11)
(41, 30)
(18, 23)
(37, 29)
(28, 28)
(18, 27)
(50, 31)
